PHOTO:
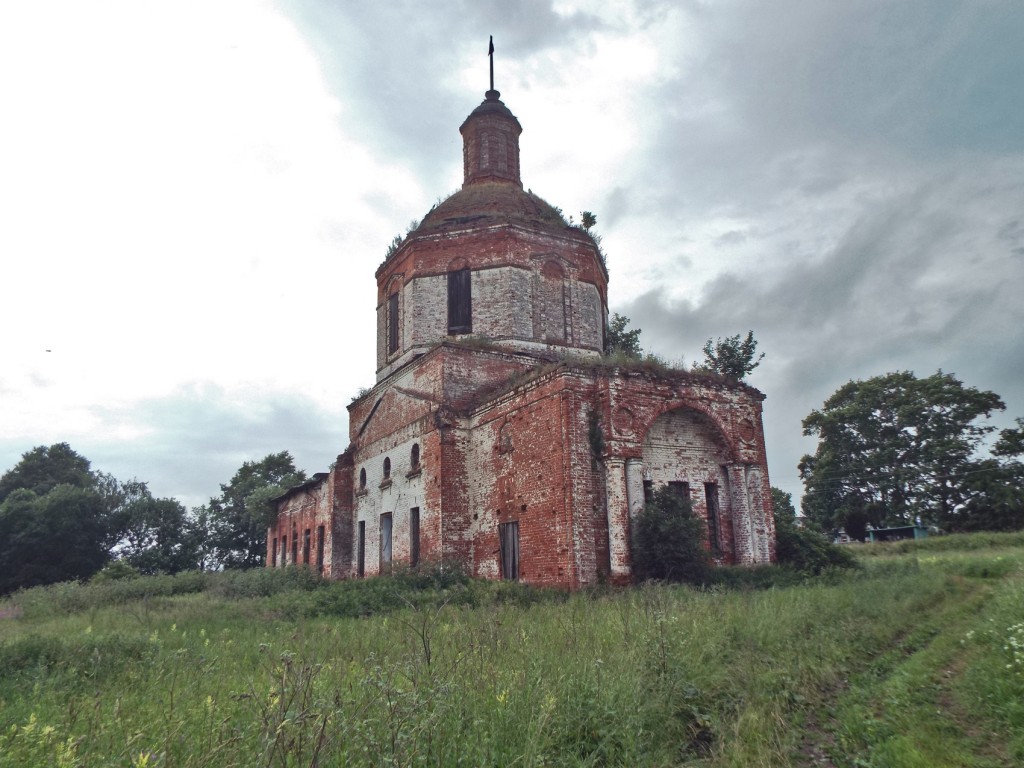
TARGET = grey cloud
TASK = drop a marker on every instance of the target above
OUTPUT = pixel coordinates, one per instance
(195, 439)
(379, 74)
(916, 281)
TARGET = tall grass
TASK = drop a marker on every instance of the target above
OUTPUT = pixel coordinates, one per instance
(437, 669)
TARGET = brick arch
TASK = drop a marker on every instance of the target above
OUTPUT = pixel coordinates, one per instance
(458, 263)
(686, 450)
(720, 428)
(552, 270)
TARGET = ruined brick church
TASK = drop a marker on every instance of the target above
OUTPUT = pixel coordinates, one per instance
(497, 435)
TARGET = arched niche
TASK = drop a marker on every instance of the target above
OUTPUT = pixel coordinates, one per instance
(684, 444)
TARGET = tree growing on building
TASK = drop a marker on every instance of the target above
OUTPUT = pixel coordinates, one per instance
(621, 339)
(733, 356)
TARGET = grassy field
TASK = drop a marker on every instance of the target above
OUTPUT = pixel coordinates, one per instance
(914, 659)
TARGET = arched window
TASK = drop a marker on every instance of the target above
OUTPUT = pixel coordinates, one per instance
(414, 457)
(362, 479)
(387, 467)
(393, 323)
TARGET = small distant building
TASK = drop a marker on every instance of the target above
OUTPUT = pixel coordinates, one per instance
(497, 435)
(898, 533)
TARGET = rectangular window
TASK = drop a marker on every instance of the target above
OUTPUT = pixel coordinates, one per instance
(414, 536)
(284, 550)
(460, 302)
(273, 553)
(361, 550)
(305, 546)
(385, 542)
(393, 323)
(508, 546)
(320, 549)
(680, 489)
(295, 547)
(648, 491)
(711, 495)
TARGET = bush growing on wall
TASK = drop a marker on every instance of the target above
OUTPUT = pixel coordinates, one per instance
(669, 540)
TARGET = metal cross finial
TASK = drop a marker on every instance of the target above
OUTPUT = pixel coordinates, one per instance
(490, 54)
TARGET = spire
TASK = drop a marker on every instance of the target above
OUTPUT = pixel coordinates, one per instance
(490, 139)
(490, 55)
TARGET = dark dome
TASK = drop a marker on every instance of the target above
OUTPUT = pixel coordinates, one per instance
(493, 203)
(492, 105)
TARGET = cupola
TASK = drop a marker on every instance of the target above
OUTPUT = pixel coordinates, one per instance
(490, 143)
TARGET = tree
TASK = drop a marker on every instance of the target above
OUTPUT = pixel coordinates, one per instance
(732, 356)
(893, 449)
(782, 504)
(157, 536)
(44, 468)
(1011, 441)
(621, 341)
(57, 536)
(801, 545)
(669, 540)
(240, 516)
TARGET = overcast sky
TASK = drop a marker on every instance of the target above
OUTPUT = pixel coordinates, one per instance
(194, 196)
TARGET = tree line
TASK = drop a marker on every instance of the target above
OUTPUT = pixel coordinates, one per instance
(61, 520)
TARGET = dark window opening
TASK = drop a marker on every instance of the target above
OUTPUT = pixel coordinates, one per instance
(460, 302)
(414, 536)
(392, 323)
(284, 550)
(320, 549)
(273, 553)
(361, 550)
(385, 542)
(680, 489)
(362, 479)
(305, 546)
(508, 547)
(414, 457)
(648, 491)
(295, 547)
(387, 467)
(711, 494)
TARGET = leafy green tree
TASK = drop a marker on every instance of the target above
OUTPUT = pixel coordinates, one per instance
(732, 356)
(240, 516)
(44, 468)
(669, 540)
(1011, 441)
(57, 536)
(621, 340)
(895, 448)
(157, 536)
(995, 499)
(782, 503)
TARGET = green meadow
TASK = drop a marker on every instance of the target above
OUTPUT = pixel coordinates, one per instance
(914, 658)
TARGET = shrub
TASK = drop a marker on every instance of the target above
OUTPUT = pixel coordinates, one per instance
(807, 550)
(116, 570)
(669, 541)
